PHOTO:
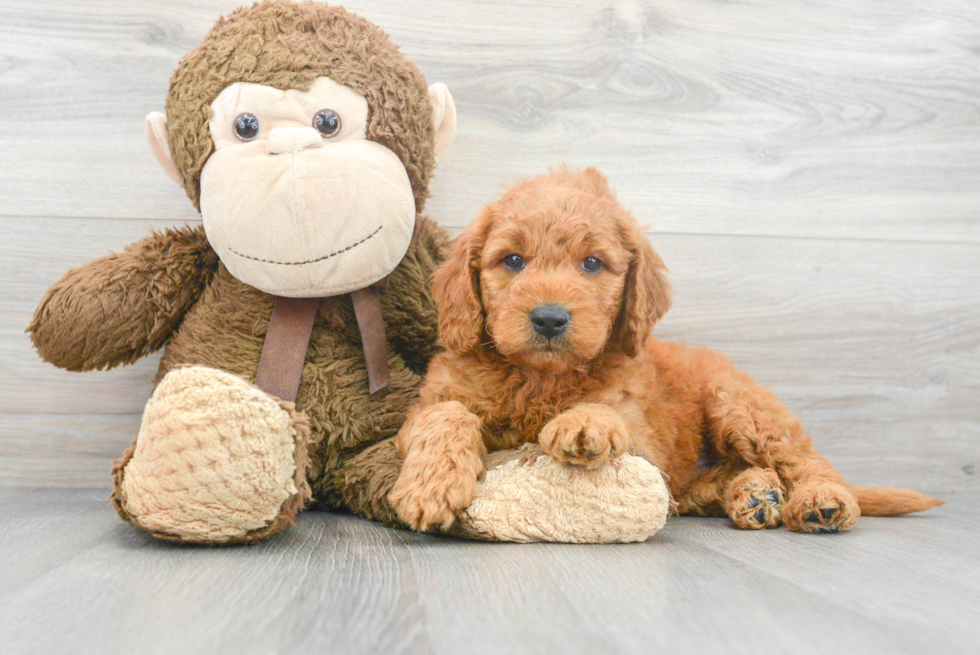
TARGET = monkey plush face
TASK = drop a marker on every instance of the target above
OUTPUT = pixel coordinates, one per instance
(295, 200)
(307, 141)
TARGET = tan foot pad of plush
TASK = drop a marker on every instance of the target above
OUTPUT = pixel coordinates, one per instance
(527, 496)
(215, 459)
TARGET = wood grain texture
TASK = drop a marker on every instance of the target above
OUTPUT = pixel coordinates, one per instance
(75, 579)
(830, 119)
(809, 173)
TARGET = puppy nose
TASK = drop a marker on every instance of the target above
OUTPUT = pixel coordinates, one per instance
(284, 140)
(549, 320)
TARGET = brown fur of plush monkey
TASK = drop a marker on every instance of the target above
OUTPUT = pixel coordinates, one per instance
(169, 290)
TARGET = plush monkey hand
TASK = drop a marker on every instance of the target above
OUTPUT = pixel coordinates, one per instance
(525, 495)
(119, 308)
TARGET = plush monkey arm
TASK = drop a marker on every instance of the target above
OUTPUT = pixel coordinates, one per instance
(411, 319)
(119, 308)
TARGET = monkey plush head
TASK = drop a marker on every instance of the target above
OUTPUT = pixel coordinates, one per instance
(307, 141)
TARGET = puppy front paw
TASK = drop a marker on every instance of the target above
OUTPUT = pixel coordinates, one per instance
(429, 496)
(586, 435)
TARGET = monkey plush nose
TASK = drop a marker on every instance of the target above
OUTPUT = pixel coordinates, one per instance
(549, 320)
(284, 140)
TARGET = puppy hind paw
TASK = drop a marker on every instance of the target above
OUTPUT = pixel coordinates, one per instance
(822, 509)
(754, 500)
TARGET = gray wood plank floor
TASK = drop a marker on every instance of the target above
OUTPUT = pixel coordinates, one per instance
(73, 578)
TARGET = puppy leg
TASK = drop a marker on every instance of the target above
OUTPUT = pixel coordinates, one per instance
(585, 435)
(442, 448)
(706, 495)
(746, 422)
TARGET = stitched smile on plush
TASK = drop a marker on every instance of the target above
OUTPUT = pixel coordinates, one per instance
(351, 223)
(308, 261)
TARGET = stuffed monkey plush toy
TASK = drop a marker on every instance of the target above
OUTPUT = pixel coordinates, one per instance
(297, 320)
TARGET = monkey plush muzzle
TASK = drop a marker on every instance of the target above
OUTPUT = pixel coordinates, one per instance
(315, 221)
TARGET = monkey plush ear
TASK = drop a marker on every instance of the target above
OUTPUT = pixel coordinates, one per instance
(443, 118)
(156, 134)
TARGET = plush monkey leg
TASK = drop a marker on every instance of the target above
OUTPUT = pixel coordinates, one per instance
(216, 461)
(527, 496)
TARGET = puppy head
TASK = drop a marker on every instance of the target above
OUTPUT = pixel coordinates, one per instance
(552, 274)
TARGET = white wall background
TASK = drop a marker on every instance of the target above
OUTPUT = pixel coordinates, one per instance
(810, 171)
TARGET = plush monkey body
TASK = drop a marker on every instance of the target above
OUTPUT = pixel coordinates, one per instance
(308, 141)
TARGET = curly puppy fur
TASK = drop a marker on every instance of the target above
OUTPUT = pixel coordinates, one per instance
(602, 385)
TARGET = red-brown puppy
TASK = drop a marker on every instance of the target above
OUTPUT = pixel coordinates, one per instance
(546, 308)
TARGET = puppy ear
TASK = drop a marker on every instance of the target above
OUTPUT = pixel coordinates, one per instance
(646, 298)
(455, 288)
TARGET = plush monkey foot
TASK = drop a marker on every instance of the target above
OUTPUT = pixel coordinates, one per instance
(528, 496)
(216, 461)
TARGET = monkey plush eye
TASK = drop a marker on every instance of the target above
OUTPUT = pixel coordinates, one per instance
(327, 122)
(246, 126)
(591, 264)
(514, 262)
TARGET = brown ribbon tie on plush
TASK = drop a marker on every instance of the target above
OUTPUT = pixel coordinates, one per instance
(288, 339)
(371, 323)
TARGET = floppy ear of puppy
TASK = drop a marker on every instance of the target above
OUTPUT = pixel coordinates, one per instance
(456, 290)
(646, 297)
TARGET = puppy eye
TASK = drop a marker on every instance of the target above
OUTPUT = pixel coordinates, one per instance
(514, 262)
(327, 122)
(591, 264)
(246, 126)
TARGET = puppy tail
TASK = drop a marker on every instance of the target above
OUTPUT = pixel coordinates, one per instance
(891, 501)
